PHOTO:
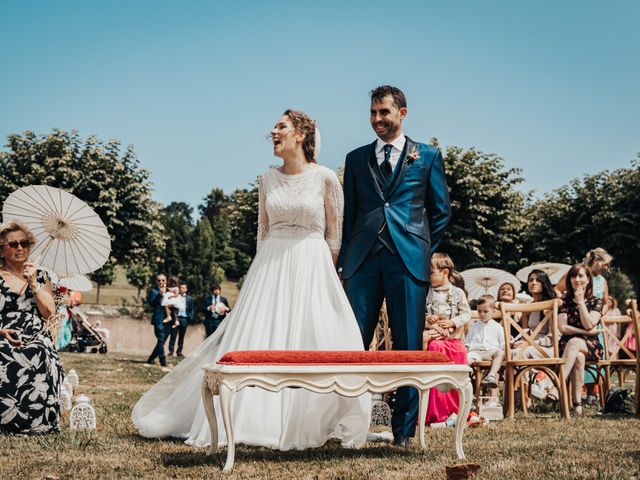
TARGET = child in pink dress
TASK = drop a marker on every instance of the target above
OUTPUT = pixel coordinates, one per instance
(447, 311)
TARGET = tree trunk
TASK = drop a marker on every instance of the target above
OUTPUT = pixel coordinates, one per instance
(98, 294)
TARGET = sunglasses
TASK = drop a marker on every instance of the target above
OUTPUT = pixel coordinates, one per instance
(22, 243)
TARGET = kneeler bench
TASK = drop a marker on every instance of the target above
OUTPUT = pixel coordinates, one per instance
(348, 373)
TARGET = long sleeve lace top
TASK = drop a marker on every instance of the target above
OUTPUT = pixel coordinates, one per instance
(306, 204)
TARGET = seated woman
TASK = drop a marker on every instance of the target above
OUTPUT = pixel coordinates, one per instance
(578, 319)
(598, 261)
(540, 288)
(30, 371)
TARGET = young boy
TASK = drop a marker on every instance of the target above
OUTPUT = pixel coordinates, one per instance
(485, 341)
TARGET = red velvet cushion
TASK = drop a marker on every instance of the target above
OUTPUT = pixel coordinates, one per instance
(309, 357)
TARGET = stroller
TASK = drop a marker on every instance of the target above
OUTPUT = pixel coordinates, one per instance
(85, 337)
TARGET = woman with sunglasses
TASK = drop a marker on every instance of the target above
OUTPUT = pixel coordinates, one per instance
(30, 371)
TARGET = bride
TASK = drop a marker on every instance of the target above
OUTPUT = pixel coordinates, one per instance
(291, 299)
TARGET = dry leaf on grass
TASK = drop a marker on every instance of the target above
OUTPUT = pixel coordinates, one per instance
(461, 472)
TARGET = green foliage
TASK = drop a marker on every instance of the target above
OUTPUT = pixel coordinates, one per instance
(104, 276)
(235, 227)
(601, 210)
(202, 271)
(97, 172)
(139, 275)
(620, 287)
(178, 228)
(213, 204)
(487, 221)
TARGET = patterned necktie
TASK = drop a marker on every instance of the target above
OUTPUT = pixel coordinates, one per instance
(386, 163)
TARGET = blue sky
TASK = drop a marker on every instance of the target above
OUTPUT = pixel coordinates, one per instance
(552, 87)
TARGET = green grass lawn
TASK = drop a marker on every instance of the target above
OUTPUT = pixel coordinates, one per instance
(536, 447)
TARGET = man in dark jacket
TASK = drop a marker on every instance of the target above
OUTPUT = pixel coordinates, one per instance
(214, 313)
(154, 299)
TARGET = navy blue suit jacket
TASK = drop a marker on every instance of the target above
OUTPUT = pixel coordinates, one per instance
(414, 205)
(154, 299)
(210, 316)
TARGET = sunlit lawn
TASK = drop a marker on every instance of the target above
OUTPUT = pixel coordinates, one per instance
(537, 447)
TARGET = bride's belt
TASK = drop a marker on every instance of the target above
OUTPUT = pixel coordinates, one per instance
(295, 234)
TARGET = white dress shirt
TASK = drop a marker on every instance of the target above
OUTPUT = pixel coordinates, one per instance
(485, 336)
(398, 146)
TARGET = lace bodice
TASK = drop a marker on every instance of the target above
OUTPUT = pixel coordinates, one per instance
(301, 205)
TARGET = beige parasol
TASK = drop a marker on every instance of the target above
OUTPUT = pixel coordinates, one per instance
(553, 270)
(486, 281)
(70, 237)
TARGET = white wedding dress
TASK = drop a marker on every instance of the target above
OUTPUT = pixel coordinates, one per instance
(291, 300)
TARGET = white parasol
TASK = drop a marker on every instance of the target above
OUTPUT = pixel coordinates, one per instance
(70, 237)
(486, 281)
(78, 283)
(553, 270)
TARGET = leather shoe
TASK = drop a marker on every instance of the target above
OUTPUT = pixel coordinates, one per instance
(400, 441)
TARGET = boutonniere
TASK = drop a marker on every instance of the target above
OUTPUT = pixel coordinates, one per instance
(412, 156)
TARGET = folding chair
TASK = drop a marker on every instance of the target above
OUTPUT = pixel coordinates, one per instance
(551, 363)
(481, 367)
(632, 362)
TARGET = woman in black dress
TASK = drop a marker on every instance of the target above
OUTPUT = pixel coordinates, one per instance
(30, 371)
(578, 319)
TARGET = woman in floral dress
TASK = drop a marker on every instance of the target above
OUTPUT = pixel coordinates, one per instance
(578, 318)
(30, 371)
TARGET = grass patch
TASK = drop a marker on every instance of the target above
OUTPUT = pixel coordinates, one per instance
(533, 447)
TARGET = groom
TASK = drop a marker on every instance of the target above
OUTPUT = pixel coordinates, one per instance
(396, 210)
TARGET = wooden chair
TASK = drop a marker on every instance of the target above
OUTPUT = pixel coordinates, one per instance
(632, 362)
(552, 364)
(481, 367)
(382, 333)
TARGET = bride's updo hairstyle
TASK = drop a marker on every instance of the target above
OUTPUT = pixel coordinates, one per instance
(303, 123)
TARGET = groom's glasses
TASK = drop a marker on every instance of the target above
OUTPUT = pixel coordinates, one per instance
(22, 243)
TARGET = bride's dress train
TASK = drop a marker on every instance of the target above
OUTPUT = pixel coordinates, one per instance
(291, 300)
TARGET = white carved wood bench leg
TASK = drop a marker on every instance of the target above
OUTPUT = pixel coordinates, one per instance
(347, 380)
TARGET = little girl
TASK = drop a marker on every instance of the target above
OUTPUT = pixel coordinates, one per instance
(172, 301)
(447, 311)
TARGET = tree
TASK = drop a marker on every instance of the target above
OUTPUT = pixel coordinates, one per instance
(487, 211)
(177, 223)
(234, 220)
(138, 275)
(109, 181)
(601, 210)
(202, 271)
(104, 276)
(213, 204)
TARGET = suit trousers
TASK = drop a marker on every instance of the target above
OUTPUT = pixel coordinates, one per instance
(178, 332)
(211, 325)
(161, 331)
(384, 275)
